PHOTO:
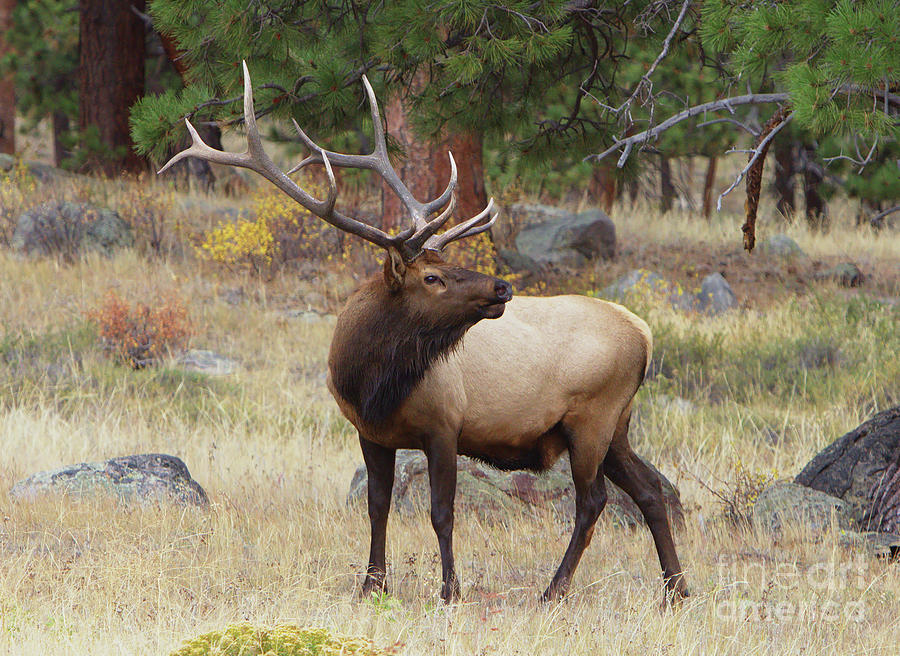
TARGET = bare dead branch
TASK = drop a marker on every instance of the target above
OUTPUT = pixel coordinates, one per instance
(754, 174)
(642, 138)
(733, 121)
(645, 78)
(859, 160)
(759, 151)
(878, 220)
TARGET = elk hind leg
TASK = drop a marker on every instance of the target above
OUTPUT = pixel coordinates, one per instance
(631, 474)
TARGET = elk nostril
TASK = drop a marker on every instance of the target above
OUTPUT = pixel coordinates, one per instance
(503, 290)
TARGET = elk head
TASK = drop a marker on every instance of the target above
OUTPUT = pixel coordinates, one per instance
(413, 269)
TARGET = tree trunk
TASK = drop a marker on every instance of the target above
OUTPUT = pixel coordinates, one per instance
(7, 85)
(111, 79)
(467, 149)
(784, 177)
(415, 170)
(816, 210)
(709, 183)
(59, 121)
(666, 188)
(602, 186)
(426, 169)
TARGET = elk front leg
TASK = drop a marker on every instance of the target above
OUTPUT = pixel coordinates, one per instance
(442, 477)
(380, 469)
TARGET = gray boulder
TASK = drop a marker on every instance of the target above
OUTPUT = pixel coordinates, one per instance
(556, 237)
(517, 262)
(716, 295)
(150, 477)
(789, 504)
(636, 281)
(68, 228)
(493, 494)
(861, 468)
(781, 245)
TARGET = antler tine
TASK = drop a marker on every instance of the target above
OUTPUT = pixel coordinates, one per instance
(467, 228)
(377, 128)
(256, 159)
(439, 202)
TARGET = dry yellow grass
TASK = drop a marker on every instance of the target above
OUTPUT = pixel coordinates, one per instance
(280, 545)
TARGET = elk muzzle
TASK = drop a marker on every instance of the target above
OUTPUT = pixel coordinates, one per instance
(494, 308)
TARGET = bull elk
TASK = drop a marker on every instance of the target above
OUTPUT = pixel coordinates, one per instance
(412, 365)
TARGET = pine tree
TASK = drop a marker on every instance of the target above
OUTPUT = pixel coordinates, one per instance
(839, 63)
(43, 63)
(7, 84)
(486, 69)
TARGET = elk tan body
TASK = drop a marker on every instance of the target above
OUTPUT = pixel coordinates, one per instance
(512, 383)
(436, 357)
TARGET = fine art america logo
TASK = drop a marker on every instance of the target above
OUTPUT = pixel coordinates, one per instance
(825, 591)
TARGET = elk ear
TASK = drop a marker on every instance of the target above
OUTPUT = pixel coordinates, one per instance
(394, 269)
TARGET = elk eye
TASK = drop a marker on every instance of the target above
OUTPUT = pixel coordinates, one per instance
(431, 279)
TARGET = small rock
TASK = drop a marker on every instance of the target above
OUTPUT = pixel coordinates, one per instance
(492, 493)
(139, 478)
(781, 245)
(715, 295)
(41, 172)
(306, 316)
(675, 402)
(206, 362)
(636, 281)
(881, 545)
(846, 275)
(789, 504)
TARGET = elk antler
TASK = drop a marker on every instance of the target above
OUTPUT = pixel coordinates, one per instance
(410, 242)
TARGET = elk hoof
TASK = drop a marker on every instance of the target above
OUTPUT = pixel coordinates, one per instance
(674, 597)
(553, 593)
(450, 591)
(376, 585)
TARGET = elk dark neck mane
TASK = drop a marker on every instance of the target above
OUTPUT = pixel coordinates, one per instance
(381, 349)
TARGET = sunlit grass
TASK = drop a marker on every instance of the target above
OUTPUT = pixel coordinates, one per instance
(766, 387)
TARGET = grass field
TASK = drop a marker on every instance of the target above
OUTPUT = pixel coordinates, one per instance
(769, 385)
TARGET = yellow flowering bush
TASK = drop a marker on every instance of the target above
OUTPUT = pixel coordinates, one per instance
(17, 188)
(284, 640)
(281, 232)
(476, 253)
(240, 244)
